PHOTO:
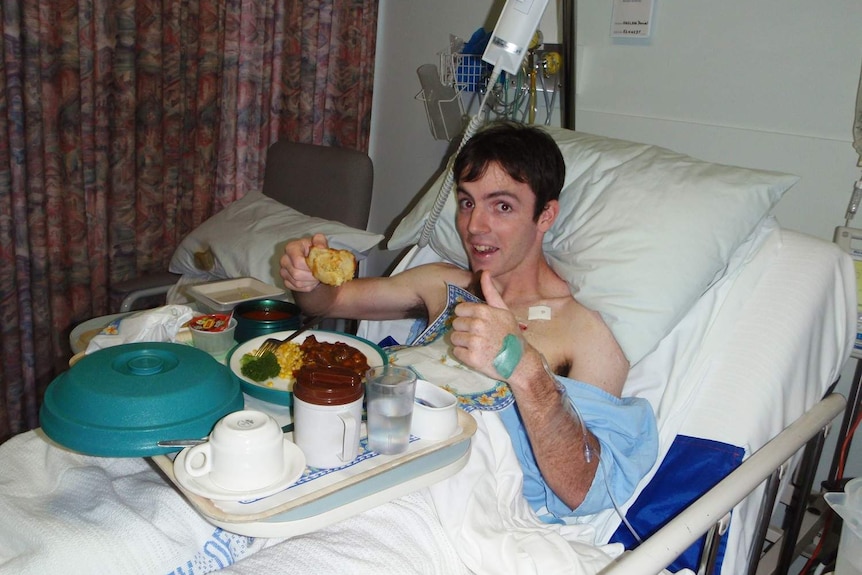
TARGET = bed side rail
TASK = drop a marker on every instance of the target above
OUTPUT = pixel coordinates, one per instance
(659, 551)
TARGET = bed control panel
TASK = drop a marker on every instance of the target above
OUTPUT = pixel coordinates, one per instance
(850, 240)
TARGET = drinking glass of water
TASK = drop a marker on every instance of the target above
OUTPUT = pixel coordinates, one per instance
(389, 392)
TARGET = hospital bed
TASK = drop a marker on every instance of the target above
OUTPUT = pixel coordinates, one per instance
(736, 328)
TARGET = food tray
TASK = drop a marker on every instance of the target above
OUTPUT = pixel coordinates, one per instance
(227, 294)
(319, 500)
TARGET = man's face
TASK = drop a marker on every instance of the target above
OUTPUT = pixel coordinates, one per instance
(495, 221)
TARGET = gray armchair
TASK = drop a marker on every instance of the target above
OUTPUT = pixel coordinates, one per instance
(321, 181)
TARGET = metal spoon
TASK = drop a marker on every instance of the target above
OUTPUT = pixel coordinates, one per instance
(192, 442)
(181, 442)
(424, 402)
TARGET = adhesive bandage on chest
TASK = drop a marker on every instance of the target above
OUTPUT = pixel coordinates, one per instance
(539, 312)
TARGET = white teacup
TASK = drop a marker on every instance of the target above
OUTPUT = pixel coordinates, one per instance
(327, 416)
(435, 412)
(245, 452)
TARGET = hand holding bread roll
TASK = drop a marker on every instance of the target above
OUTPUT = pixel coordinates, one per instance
(330, 266)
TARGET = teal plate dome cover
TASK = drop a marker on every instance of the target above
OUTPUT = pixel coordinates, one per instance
(121, 401)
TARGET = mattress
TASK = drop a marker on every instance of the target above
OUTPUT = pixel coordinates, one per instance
(794, 333)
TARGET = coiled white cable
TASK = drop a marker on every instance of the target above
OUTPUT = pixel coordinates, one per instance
(449, 181)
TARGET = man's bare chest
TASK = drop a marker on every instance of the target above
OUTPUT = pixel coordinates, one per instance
(552, 331)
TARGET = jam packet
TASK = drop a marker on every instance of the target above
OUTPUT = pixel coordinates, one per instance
(212, 322)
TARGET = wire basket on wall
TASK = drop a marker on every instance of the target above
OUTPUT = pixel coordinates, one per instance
(467, 72)
(515, 96)
(442, 101)
(452, 89)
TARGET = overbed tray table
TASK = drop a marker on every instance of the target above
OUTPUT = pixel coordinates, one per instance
(318, 500)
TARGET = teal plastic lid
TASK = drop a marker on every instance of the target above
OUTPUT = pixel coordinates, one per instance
(122, 400)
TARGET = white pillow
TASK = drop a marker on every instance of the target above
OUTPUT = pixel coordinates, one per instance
(642, 231)
(246, 239)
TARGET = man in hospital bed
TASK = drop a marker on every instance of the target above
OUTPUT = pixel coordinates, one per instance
(559, 360)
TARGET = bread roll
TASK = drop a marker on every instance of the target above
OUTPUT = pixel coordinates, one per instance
(331, 267)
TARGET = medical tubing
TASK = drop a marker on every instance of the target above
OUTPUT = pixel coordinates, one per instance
(550, 107)
(616, 505)
(570, 408)
(573, 410)
(545, 97)
(449, 181)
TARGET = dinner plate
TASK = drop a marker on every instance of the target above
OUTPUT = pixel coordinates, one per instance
(276, 389)
(294, 466)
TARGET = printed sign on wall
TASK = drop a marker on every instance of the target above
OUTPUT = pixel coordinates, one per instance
(631, 18)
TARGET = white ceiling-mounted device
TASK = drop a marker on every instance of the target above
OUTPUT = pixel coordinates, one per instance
(513, 33)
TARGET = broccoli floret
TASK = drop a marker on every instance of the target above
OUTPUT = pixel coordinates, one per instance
(259, 368)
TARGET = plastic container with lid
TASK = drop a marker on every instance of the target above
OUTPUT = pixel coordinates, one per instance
(213, 333)
(331, 385)
(327, 414)
(122, 400)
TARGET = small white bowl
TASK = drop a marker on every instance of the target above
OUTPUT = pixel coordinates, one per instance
(435, 414)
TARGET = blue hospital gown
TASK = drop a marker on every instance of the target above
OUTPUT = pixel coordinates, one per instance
(625, 428)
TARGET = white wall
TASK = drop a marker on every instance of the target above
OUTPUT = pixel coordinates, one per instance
(768, 84)
(405, 155)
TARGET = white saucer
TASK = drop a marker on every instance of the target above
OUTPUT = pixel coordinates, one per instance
(294, 466)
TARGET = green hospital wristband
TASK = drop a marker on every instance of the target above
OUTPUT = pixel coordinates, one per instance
(509, 356)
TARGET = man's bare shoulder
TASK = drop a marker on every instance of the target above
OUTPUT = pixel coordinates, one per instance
(580, 342)
(599, 357)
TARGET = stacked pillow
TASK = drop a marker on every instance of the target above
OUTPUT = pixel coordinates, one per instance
(246, 239)
(642, 231)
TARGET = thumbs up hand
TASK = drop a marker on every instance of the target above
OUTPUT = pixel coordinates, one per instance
(479, 329)
(489, 291)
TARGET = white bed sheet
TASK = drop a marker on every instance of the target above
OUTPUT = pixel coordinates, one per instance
(794, 333)
(786, 328)
(77, 514)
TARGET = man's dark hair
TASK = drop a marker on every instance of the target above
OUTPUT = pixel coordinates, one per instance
(528, 154)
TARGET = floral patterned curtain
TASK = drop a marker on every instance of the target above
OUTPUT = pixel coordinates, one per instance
(126, 123)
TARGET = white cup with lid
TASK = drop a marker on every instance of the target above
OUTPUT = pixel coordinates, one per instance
(327, 415)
